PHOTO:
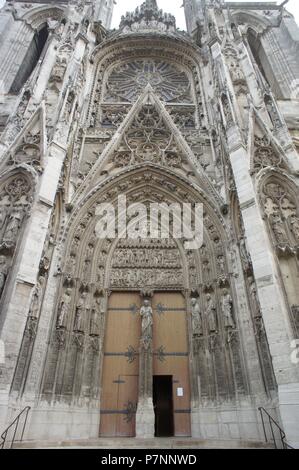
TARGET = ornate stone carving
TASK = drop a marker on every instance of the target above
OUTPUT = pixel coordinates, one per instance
(96, 317)
(36, 298)
(81, 311)
(31, 327)
(146, 313)
(148, 139)
(282, 214)
(64, 309)
(147, 263)
(147, 18)
(3, 273)
(264, 155)
(254, 299)
(196, 318)
(236, 72)
(15, 206)
(127, 81)
(294, 227)
(227, 109)
(279, 229)
(211, 314)
(227, 309)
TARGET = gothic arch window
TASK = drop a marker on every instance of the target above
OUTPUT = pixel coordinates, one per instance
(125, 81)
(31, 58)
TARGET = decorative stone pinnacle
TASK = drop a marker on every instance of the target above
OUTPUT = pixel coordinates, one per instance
(148, 16)
(151, 4)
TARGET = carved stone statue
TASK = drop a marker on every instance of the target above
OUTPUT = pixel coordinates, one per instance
(254, 300)
(96, 316)
(4, 209)
(82, 307)
(3, 273)
(36, 299)
(146, 313)
(279, 229)
(211, 314)
(221, 264)
(227, 309)
(294, 226)
(64, 309)
(196, 318)
(13, 226)
(244, 253)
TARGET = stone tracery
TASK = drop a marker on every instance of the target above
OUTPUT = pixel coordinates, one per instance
(126, 81)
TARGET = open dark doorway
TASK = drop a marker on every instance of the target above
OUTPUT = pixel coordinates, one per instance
(163, 405)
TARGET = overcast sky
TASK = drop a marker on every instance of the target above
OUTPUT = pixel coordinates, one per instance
(174, 7)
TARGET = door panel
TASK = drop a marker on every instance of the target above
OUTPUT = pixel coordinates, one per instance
(171, 353)
(121, 360)
(120, 366)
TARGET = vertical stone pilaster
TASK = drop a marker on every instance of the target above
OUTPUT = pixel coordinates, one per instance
(273, 307)
(145, 417)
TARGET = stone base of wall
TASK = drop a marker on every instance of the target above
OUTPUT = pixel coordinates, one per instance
(289, 410)
(145, 419)
(230, 421)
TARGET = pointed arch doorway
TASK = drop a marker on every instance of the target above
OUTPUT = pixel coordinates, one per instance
(171, 381)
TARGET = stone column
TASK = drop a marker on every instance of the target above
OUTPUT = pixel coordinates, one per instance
(145, 417)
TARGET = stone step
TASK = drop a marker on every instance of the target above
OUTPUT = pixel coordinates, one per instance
(133, 443)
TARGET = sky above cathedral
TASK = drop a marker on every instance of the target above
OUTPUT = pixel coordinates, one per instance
(175, 7)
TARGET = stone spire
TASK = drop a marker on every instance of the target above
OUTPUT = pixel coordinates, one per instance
(151, 4)
(148, 17)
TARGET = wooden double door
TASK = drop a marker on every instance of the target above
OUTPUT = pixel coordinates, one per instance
(120, 374)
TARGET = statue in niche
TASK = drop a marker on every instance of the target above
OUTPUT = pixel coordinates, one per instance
(204, 252)
(97, 314)
(227, 309)
(196, 318)
(71, 265)
(211, 314)
(294, 226)
(244, 253)
(64, 309)
(254, 299)
(221, 264)
(279, 230)
(36, 298)
(82, 308)
(206, 271)
(146, 313)
(3, 273)
(4, 209)
(89, 251)
(14, 223)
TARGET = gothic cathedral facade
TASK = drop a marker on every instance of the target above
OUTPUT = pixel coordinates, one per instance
(101, 336)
